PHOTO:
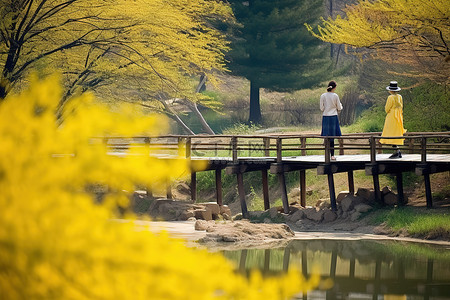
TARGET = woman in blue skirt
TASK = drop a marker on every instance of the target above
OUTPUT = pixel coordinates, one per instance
(330, 105)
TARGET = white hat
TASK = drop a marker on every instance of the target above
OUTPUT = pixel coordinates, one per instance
(393, 87)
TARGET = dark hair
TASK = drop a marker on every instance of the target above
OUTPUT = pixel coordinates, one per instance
(331, 85)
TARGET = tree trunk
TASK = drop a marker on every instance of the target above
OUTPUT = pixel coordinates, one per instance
(175, 117)
(194, 106)
(182, 124)
(255, 108)
(2, 92)
(199, 115)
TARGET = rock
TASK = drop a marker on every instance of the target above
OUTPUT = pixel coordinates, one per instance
(313, 214)
(226, 216)
(347, 203)
(214, 207)
(186, 215)
(329, 216)
(192, 219)
(224, 209)
(344, 215)
(201, 225)
(350, 201)
(238, 217)
(341, 196)
(390, 199)
(204, 214)
(267, 221)
(183, 188)
(325, 204)
(256, 214)
(273, 212)
(362, 208)
(355, 216)
(293, 209)
(386, 190)
(322, 203)
(367, 194)
(298, 215)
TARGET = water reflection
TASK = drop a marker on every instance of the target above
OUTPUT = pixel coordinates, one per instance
(359, 269)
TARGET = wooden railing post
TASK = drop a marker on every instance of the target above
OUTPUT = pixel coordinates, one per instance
(279, 150)
(302, 174)
(341, 146)
(193, 174)
(303, 145)
(281, 176)
(426, 174)
(266, 142)
(423, 151)
(181, 151)
(375, 176)
(411, 145)
(188, 147)
(234, 145)
(327, 150)
(373, 149)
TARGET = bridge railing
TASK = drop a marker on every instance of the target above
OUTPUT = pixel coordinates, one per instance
(279, 146)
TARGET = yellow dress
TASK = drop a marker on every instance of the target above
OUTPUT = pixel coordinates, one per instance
(393, 125)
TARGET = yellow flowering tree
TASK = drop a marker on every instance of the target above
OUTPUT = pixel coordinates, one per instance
(146, 49)
(412, 32)
(55, 243)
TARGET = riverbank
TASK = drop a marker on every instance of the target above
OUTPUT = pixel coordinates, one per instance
(210, 239)
(355, 218)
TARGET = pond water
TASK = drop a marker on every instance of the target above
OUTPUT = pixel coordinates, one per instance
(358, 269)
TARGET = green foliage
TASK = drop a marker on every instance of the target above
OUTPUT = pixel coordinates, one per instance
(272, 48)
(371, 120)
(427, 108)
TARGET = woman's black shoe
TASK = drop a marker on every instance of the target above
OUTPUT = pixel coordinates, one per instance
(397, 154)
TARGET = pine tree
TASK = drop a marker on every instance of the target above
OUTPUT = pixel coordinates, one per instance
(272, 48)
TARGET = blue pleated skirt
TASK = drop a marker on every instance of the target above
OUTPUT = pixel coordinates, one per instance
(330, 126)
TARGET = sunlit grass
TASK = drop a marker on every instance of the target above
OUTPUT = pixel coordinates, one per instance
(415, 222)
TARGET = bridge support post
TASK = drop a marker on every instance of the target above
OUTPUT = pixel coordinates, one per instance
(194, 187)
(351, 183)
(240, 181)
(169, 191)
(332, 192)
(428, 194)
(376, 187)
(284, 197)
(303, 188)
(265, 183)
(401, 196)
(219, 186)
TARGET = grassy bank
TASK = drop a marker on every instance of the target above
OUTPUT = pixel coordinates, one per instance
(415, 222)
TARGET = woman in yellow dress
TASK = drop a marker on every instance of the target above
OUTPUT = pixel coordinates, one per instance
(393, 125)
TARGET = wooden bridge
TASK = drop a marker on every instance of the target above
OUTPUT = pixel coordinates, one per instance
(423, 153)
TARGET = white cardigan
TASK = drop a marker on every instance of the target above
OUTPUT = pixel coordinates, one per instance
(330, 104)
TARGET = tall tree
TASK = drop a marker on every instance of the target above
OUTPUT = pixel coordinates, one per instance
(272, 48)
(148, 46)
(413, 32)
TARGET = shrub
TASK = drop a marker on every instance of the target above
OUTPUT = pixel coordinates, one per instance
(55, 243)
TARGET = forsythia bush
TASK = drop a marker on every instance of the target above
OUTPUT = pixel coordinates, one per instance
(55, 243)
